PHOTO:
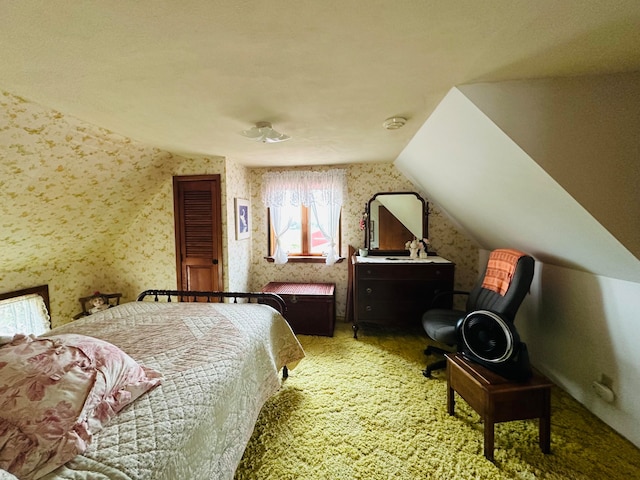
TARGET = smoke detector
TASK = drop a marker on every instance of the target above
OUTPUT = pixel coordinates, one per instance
(394, 123)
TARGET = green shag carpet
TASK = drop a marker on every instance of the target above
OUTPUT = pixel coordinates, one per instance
(361, 409)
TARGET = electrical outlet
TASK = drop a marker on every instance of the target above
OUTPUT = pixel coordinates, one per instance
(603, 392)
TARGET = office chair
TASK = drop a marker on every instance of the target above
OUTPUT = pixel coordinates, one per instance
(500, 289)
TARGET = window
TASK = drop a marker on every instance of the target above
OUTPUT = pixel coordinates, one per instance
(304, 213)
(304, 237)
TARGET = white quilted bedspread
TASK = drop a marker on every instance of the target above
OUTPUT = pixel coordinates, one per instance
(220, 363)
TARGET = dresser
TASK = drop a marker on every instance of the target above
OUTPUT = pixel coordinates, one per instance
(396, 291)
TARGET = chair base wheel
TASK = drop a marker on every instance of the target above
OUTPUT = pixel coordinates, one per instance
(439, 365)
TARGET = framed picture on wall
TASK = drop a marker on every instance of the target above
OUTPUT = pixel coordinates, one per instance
(243, 219)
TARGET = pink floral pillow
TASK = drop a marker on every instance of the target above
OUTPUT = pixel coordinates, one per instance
(56, 392)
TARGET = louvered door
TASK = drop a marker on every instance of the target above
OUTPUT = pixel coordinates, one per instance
(198, 232)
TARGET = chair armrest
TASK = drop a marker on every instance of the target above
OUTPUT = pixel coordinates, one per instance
(438, 294)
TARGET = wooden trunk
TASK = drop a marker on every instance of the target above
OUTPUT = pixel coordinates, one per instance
(310, 306)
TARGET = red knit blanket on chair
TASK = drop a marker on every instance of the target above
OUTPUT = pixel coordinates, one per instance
(500, 268)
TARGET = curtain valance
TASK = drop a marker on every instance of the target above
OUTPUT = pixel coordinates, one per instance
(303, 187)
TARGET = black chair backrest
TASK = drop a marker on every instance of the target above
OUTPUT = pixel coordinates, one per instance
(507, 305)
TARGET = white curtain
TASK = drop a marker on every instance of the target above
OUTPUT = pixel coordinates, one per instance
(26, 314)
(311, 189)
(280, 223)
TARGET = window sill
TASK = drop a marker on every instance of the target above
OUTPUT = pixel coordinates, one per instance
(305, 259)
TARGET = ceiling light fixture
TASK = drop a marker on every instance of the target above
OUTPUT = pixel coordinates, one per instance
(394, 123)
(264, 132)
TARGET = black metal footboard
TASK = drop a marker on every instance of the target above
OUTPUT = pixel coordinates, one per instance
(270, 299)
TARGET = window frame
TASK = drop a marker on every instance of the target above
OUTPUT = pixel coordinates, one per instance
(305, 256)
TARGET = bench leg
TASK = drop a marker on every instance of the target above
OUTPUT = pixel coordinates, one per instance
(488, 439)
(544, 425)
(545, 435)
(451, 402)
(544, 431)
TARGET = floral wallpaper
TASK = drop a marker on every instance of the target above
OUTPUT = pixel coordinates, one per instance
(83, 209)
(238, 253)
(146, 251)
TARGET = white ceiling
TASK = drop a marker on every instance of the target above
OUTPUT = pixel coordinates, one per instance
(187, 76)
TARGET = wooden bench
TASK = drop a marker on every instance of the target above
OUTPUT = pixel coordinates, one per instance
(497, 399)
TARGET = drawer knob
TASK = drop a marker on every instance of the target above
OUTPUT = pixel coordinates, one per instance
(368, 272)
(369, 290)
(368, 308)
(294, 299)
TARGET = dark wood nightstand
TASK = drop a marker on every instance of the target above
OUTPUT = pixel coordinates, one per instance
(497, 399)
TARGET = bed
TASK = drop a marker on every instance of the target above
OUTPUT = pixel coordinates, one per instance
(210, 365)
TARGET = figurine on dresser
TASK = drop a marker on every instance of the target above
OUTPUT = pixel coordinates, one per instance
(424, 248)
(413, 248)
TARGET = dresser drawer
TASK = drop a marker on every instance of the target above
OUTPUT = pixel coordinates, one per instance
(400, 290)
(400, 302)
(421, 271)
(378, 289)
(382, 312)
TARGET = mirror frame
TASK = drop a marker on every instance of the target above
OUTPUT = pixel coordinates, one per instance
(396, 253)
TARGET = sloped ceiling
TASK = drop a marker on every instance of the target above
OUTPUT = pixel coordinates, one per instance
(67, 190)
(186, 77)
(497, 192)
(583, 131)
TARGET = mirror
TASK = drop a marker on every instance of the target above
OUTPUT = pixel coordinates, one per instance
(394, 218)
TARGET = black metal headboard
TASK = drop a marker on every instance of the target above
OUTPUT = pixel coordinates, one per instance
(270, 299)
